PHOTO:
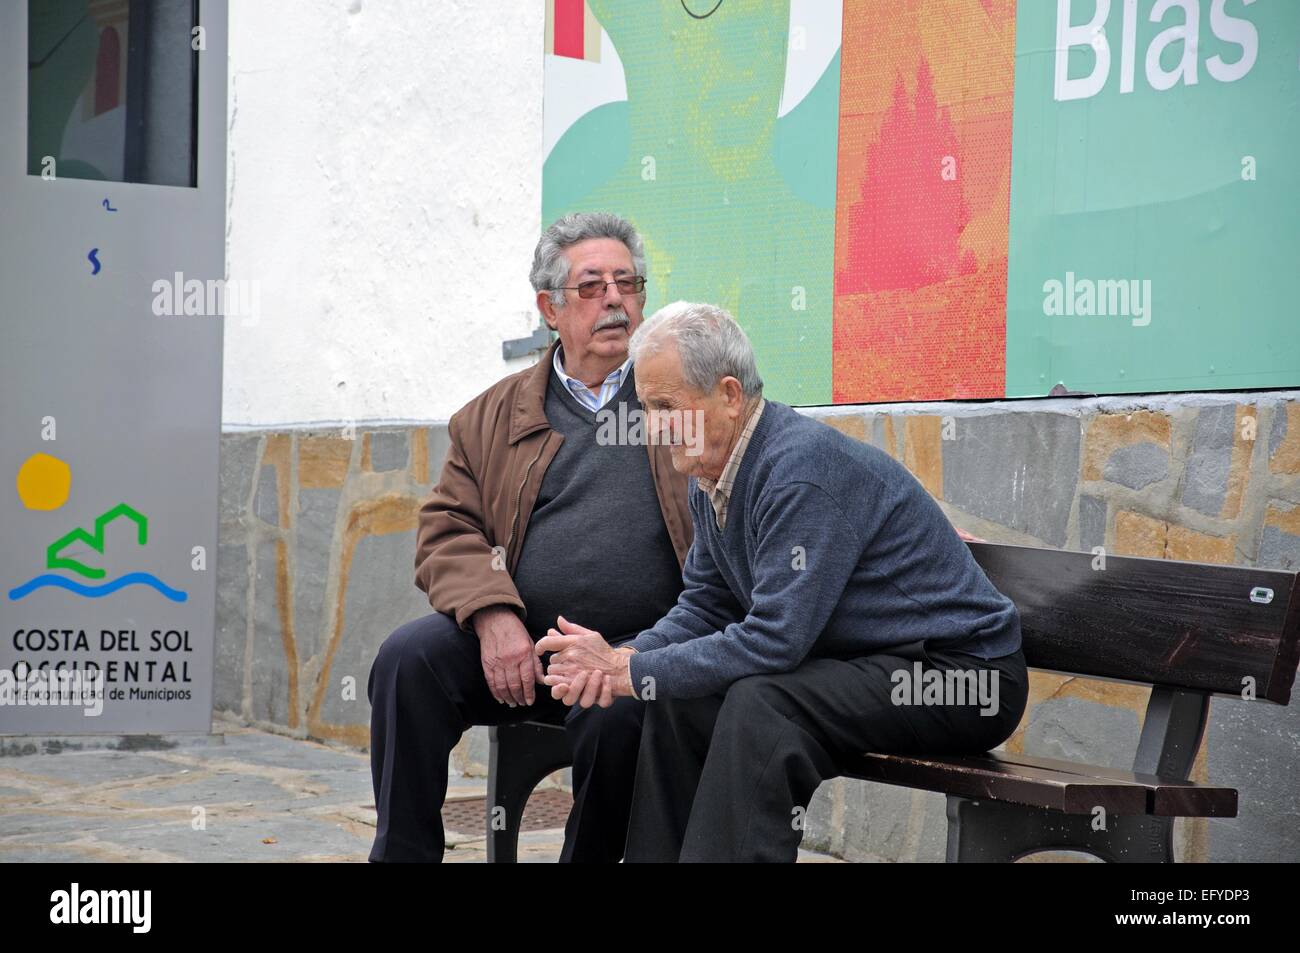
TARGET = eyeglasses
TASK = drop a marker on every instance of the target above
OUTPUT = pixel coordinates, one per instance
(595, 288)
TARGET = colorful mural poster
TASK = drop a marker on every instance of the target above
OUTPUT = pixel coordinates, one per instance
(924, 182)
(950, 199)
(711, 127)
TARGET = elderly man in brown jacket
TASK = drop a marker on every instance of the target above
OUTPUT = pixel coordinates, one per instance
(536, 513)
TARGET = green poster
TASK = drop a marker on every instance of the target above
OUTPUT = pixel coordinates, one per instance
(712, 127)
(1155, 196)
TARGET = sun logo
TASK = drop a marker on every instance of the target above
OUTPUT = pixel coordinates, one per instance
(43, 482)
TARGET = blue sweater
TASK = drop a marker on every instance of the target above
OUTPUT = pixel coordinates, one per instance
(831, 548)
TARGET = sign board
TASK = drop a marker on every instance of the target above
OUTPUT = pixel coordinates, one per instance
(112, 196)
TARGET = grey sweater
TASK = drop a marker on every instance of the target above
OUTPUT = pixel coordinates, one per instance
(832, 548)
(596, 550)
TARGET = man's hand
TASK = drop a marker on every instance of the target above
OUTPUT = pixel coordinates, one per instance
(967, 536)
(506, 650)
(584, 669)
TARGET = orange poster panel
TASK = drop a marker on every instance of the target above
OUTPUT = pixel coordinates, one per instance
(923, 193)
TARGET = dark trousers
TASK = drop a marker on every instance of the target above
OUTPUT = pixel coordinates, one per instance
(426, 688)
(728, 777)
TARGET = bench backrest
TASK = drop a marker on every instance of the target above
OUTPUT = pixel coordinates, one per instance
(1157, 621)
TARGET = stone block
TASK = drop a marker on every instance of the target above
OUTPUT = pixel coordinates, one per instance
(238, 466)
(851, 425)
(314, 532)
(439, 441)
(1279, 546)
(267, 504)
(231, 626)
(1092, 522)
(988, 473)
(389, 450)
(1107, 433)
(1138, 465)
(323, 461)
(923, 452)
(379, 596)
(274, 672)
(1284, 439)
(1205, 486)
(1076, 729)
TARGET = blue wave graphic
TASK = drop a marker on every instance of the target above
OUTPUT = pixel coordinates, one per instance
(97, 592)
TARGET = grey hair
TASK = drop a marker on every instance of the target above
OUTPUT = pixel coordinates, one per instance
(551, 268)
(709, 341)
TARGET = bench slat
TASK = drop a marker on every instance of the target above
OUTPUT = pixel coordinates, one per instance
(1048, 783)
(1154, 621)
(979, 777)
(1167, 797)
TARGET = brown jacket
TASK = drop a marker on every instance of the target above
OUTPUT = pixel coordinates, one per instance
(471, 528)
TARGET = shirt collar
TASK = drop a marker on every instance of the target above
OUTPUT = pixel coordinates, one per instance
(722, 486)
(614, 377)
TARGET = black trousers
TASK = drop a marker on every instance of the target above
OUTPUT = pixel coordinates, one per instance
(426, 688)
(728, 777)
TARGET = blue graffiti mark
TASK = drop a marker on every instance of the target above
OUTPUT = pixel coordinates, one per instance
(97, 592)
(94, 260)
(109, 207)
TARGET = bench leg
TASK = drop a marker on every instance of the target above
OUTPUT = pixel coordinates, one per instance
(999, 832)
(519, 757)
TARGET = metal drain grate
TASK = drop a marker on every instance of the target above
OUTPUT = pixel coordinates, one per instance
(546, 810)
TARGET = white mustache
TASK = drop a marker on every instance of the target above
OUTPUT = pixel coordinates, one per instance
(618, 319)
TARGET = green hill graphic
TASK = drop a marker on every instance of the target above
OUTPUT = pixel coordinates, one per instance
(96, 542)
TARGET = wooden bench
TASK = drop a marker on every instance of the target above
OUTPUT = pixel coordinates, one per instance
(1188, 630)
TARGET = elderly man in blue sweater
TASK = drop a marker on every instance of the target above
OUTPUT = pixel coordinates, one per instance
(828, 609)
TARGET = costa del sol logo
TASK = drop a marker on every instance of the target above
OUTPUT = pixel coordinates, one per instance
(43, 484)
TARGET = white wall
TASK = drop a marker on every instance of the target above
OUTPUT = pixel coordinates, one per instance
(383, 155)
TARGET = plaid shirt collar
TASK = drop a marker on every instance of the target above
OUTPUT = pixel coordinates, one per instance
(580, 391)
(719, 491)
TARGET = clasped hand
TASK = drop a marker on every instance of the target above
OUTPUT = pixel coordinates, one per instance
(584, 670)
